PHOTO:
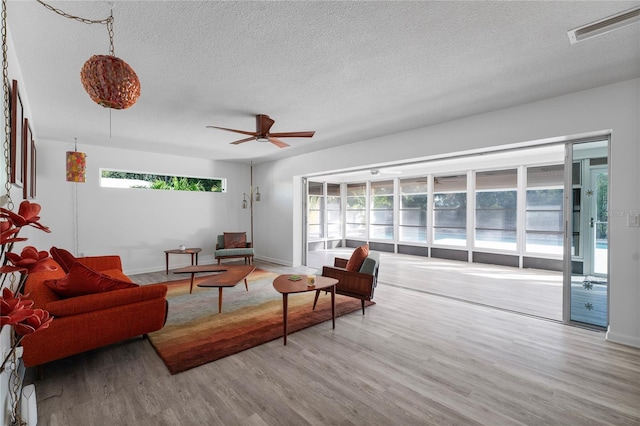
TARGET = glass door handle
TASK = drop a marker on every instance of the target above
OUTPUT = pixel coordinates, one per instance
(591, 222)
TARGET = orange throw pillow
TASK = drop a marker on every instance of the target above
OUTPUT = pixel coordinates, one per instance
(235, 240)
(64, 258)
(82, 280)
(357, 258)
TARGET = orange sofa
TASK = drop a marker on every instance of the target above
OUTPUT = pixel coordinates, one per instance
(90, 321)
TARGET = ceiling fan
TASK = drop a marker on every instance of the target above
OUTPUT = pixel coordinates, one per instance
(262, 134)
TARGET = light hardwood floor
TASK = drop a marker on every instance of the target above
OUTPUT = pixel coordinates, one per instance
(414, 359)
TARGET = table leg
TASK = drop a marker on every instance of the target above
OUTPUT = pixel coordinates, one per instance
(246, 285)
(219, 299)
(192, 259)
(333, 305)
(284, 315)
(193, 274)
(166, 261)
(196, 258)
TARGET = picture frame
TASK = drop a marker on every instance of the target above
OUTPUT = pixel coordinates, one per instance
(33, 169)
(16, 149)
(26, 149)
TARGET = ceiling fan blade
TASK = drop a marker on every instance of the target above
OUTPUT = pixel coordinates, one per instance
(293, 134)
(243, 140)
(277, 142)
(244, 132)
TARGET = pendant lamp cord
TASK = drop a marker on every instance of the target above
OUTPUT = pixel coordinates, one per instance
(7, 119)
(75, 205)
(106, 21)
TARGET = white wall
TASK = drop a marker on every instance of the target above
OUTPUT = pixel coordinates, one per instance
(137, 224)
(614, 107)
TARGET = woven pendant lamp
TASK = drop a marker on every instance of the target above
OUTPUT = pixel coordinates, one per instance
(110, 82)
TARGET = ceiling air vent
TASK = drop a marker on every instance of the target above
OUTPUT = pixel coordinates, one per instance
(605, 25)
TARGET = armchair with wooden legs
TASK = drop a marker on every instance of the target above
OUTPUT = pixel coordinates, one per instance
(359, 284)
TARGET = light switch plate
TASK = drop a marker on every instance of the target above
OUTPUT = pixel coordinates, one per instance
(633, 219)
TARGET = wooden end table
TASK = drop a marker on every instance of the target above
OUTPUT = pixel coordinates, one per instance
(229, 276)
(285, 286)
(192, 251)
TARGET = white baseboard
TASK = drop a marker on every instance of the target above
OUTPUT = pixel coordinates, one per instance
(622, 339)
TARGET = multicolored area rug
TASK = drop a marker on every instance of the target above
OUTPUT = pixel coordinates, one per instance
(195, 333)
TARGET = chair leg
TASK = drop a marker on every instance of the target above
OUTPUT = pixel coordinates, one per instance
(316, 299)
(362, 300)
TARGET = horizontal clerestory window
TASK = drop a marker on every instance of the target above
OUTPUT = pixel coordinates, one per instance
(138, 180)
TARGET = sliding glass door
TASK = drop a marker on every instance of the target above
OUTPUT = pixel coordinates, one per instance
(586, 246)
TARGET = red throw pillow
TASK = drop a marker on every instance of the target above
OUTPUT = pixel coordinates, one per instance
(235, 240)
(64, 258)
(82, 280)
(357, 258)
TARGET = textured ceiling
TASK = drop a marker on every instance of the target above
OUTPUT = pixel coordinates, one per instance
(348, 70)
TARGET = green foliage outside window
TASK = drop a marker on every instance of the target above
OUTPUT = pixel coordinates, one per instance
(167, 183)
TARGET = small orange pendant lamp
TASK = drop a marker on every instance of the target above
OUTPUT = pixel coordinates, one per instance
(76, 165)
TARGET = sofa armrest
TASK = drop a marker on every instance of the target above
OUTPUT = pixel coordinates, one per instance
(109, 299)
(249, 245)
(101, 263)
(340, 263)
(350, 282)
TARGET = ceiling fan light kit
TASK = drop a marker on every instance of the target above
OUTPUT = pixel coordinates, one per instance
(605, 25)
(263, 134)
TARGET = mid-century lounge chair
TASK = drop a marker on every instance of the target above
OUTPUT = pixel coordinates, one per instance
(353, 280)
(234, 245)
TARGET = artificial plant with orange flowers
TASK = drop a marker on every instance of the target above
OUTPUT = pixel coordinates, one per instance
(16, 309)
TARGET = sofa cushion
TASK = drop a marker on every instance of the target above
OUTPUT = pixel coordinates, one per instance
(116, 274)
(39, 293)
(235, 240)
(82, 280)
(96, 302)
(64, 258)
(357, 258)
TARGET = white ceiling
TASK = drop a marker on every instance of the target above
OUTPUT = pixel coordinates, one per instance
(348, 70)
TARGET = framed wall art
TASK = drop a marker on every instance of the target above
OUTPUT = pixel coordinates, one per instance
(32, 170)
(17, 137)
(26, 150)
